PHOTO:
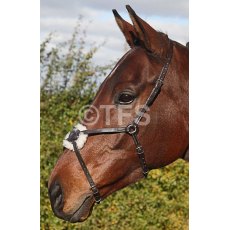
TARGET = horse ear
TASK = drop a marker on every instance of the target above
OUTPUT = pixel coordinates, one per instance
(149, 37)
(127, 29)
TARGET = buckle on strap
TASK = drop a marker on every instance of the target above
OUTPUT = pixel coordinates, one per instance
(140, 150)
(140, 153)
(96, 194)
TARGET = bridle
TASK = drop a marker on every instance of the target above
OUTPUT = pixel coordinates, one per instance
(131, 129)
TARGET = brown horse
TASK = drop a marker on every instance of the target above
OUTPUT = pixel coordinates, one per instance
(108, 160)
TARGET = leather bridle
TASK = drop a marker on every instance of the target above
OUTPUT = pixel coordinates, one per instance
(131, 129)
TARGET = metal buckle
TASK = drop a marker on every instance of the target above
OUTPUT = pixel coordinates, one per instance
(140, 150)
(96, 194)
(145, 173)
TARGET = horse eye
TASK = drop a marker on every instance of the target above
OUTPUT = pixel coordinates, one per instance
(125, 98)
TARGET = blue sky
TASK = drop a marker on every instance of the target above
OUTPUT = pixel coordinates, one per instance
(60, 17)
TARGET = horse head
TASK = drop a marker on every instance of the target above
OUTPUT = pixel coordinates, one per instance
(110, 152)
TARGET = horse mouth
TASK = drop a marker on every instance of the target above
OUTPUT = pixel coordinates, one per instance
(84, 211)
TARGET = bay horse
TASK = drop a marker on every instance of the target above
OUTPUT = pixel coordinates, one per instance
(149, 83)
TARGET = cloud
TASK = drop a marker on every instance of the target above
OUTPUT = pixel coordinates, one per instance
(61, 16)
(70, 8)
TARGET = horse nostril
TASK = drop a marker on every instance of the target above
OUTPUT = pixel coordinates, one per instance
(56, 190)
(58, 201)
(56, 195)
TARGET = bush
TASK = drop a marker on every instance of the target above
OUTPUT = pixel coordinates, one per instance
(69, 81)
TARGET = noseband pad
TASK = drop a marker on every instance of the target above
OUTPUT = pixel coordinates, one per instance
(79, 137)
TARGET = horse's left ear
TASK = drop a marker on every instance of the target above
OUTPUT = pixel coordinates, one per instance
(127, 29)
(150, 39)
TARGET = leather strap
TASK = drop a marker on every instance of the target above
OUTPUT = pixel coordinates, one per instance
(132, 129)
(73, 134)
(157, 88)
(104, 131)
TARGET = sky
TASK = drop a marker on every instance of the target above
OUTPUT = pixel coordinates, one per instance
(60, 17)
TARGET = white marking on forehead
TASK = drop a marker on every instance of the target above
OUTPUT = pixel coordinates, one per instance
(80, 141)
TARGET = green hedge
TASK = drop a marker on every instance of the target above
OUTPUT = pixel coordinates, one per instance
(158, 202)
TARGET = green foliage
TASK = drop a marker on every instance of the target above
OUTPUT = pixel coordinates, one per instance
(69, 81)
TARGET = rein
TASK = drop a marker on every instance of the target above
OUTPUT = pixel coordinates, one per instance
(131, 129)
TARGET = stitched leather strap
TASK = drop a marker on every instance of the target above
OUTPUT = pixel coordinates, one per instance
(132, 129)
(73, 134)
(104, 131)
(157, 88)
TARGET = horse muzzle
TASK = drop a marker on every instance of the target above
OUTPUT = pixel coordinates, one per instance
(79, 214)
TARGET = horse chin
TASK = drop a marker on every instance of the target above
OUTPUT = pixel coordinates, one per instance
(84, 211)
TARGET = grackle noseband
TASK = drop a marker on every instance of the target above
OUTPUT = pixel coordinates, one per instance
(131, 129)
